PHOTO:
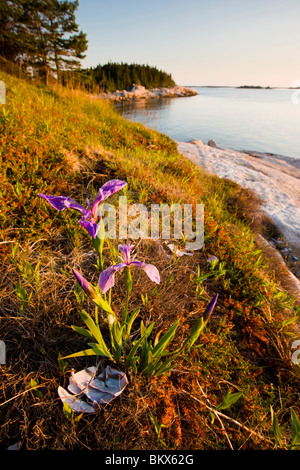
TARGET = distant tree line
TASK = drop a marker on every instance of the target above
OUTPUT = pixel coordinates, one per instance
(121, 76)
(41, 36)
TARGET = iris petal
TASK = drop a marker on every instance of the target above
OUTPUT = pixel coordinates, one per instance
(107, 190)
(126, 249)
(90, 226)
(150, 270)
(63, 202)
(107, 277)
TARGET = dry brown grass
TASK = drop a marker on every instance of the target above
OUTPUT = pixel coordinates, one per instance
(42, 331)
(244, 348)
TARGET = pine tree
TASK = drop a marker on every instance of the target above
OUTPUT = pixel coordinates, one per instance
(7, 28)
(67, 44)
(14, 40)
(42, 35)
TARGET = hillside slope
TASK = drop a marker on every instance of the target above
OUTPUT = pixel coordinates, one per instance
(59, 142)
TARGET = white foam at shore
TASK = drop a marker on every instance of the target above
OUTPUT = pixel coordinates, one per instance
(275, 179)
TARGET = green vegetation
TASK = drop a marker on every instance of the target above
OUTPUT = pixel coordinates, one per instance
(112, 76)
(41, 37)
(238, 387)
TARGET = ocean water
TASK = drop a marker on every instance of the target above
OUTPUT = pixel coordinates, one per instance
(262, 120)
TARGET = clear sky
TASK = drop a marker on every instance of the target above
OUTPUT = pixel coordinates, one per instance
(200, 42)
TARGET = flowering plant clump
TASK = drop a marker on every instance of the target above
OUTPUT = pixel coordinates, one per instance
(124, 349)
(91, 214)
(106, 279)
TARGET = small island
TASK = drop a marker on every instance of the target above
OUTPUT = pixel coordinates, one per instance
(256, 87)
(123, 82)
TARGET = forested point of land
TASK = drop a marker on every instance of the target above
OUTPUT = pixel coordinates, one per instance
(122, 76)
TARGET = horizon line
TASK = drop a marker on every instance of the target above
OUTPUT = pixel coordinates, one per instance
(244, 86)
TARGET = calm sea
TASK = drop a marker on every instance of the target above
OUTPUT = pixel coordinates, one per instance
(263, 120)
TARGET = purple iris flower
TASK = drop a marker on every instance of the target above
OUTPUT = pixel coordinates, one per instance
(106, 278)
(89, 215)
(84, 284)
(209, 309)
(211, 259)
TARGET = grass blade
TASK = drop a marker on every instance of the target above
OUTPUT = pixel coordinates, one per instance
(165, 340)
(295, 428)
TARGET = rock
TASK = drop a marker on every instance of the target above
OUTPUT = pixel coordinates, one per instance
(195, 142)
(99, 390)
(140, 92)
(212, 143)
(291, 282)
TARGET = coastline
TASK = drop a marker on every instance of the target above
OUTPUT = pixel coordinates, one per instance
(139, 92)
(273, 178)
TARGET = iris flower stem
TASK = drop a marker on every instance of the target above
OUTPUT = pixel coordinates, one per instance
(126, 306)
(101, 261)
(128, 283)
(97, 316)
(101, 244)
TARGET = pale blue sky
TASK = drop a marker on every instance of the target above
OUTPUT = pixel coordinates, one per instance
(201, 42)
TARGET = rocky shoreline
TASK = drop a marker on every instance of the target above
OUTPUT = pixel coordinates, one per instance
(274, 178)
(139, 92)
